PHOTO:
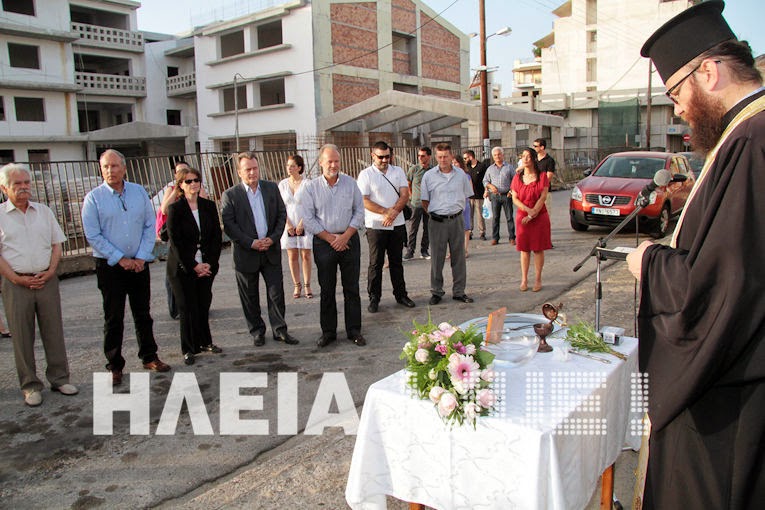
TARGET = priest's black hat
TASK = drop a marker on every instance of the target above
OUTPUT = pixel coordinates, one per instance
(686, 36)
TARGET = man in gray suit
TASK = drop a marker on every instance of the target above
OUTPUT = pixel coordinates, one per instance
(253, 217)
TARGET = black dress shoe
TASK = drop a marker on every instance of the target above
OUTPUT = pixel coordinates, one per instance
(259, 340)
(373, 306)
(188, 358)
(287, 339)
(325, 339)
(434, 300)
(211, 348)
(406, 302)
(463, 298)
(358, 340)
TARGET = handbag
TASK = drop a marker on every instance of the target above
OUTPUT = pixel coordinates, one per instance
(407, 208)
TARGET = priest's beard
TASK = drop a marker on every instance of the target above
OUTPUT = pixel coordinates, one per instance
(704, 114)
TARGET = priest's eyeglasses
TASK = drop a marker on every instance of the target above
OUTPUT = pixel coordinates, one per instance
(673, 92)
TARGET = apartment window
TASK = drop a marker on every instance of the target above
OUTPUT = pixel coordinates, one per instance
(6, 156)
(232, 44)
(272, 92)
(24, 55)
(30, 109)
(2, 108)
(270, 34)
(172, 71)
(228, 98)
(173, 117)
(19, 6)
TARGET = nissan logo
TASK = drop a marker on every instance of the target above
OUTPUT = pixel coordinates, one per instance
(606, 200)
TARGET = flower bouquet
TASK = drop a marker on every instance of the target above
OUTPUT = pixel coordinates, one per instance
(450, 367)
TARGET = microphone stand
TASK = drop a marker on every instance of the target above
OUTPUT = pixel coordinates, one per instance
(600, 253)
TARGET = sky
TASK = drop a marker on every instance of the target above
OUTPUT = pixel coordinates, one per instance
(530, 20)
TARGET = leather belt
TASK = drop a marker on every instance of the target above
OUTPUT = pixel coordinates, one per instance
(30, 274)
(440, 217)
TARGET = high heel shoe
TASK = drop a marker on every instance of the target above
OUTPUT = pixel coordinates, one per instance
(308, 292)
(296, 293)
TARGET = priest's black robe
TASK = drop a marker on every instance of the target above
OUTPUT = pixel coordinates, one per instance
(702, 337)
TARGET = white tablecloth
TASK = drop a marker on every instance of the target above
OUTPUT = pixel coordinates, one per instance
(522, 459)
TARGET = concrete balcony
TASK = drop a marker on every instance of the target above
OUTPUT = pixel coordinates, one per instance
(111, 84)
(107, 37)
(184, 85)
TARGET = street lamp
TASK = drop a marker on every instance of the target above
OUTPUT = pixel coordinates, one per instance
(484, 80)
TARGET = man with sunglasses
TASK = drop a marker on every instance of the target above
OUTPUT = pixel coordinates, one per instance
(119, 225)
(702, 315)
(385, 191)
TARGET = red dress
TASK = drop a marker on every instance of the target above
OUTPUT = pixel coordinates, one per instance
(535, 235)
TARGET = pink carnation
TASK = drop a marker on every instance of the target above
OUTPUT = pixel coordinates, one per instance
(442, 349)
(460, 348)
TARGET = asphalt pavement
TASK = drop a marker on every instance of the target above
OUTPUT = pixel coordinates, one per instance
(52, 457)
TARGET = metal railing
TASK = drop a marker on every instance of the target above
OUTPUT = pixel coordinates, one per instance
(96, 35)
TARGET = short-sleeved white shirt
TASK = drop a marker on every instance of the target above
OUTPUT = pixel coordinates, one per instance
(26, 238)
(373, 184)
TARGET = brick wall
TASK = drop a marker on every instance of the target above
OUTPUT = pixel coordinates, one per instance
(354, 34)
(440, 51)
(349, 90)
(451, 94)
(404, 16)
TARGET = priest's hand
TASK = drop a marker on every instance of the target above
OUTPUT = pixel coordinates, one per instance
(635, 259)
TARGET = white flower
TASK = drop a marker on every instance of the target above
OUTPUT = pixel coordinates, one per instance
(435, 393)
(432, 374)
(471, 410)
(421, 355)
(470, 349)
(458, 386)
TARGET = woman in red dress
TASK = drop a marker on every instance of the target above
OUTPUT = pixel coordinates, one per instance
(532, 223)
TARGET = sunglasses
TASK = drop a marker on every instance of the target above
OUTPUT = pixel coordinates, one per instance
(189, 181)
(384, 156)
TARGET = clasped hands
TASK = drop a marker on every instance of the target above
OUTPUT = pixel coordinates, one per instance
(35, 282)
(202, 270)
(135, 265)
(262, 244)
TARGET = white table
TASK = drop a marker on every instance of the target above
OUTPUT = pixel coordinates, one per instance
(517, 460)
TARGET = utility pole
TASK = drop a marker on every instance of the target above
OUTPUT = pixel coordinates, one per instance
(484, 81)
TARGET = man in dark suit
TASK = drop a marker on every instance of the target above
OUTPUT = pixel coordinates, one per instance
(254, 217)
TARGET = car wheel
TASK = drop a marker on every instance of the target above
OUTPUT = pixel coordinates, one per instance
(662, 224)
(579, 227)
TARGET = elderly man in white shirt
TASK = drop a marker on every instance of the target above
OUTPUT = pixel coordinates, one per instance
(30, 249)
(386, 193)
(445, 189)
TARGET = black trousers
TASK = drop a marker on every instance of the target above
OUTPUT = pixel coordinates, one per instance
(418, 213)
(380, 243)
(501, 202)
(194, 297)
(248, 284)
(327, 262)
(115, 285)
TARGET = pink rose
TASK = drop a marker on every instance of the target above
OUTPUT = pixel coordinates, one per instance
(435, 393)
(486, 398)
(421, 355)
(446, 404)
(442, 349)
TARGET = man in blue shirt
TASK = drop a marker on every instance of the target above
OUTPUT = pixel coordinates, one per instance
(497, 182)
(119, 225)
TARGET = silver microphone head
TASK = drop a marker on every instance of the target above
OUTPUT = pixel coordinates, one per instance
(662, 177)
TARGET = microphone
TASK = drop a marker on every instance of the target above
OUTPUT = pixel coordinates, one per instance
(662, 178)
